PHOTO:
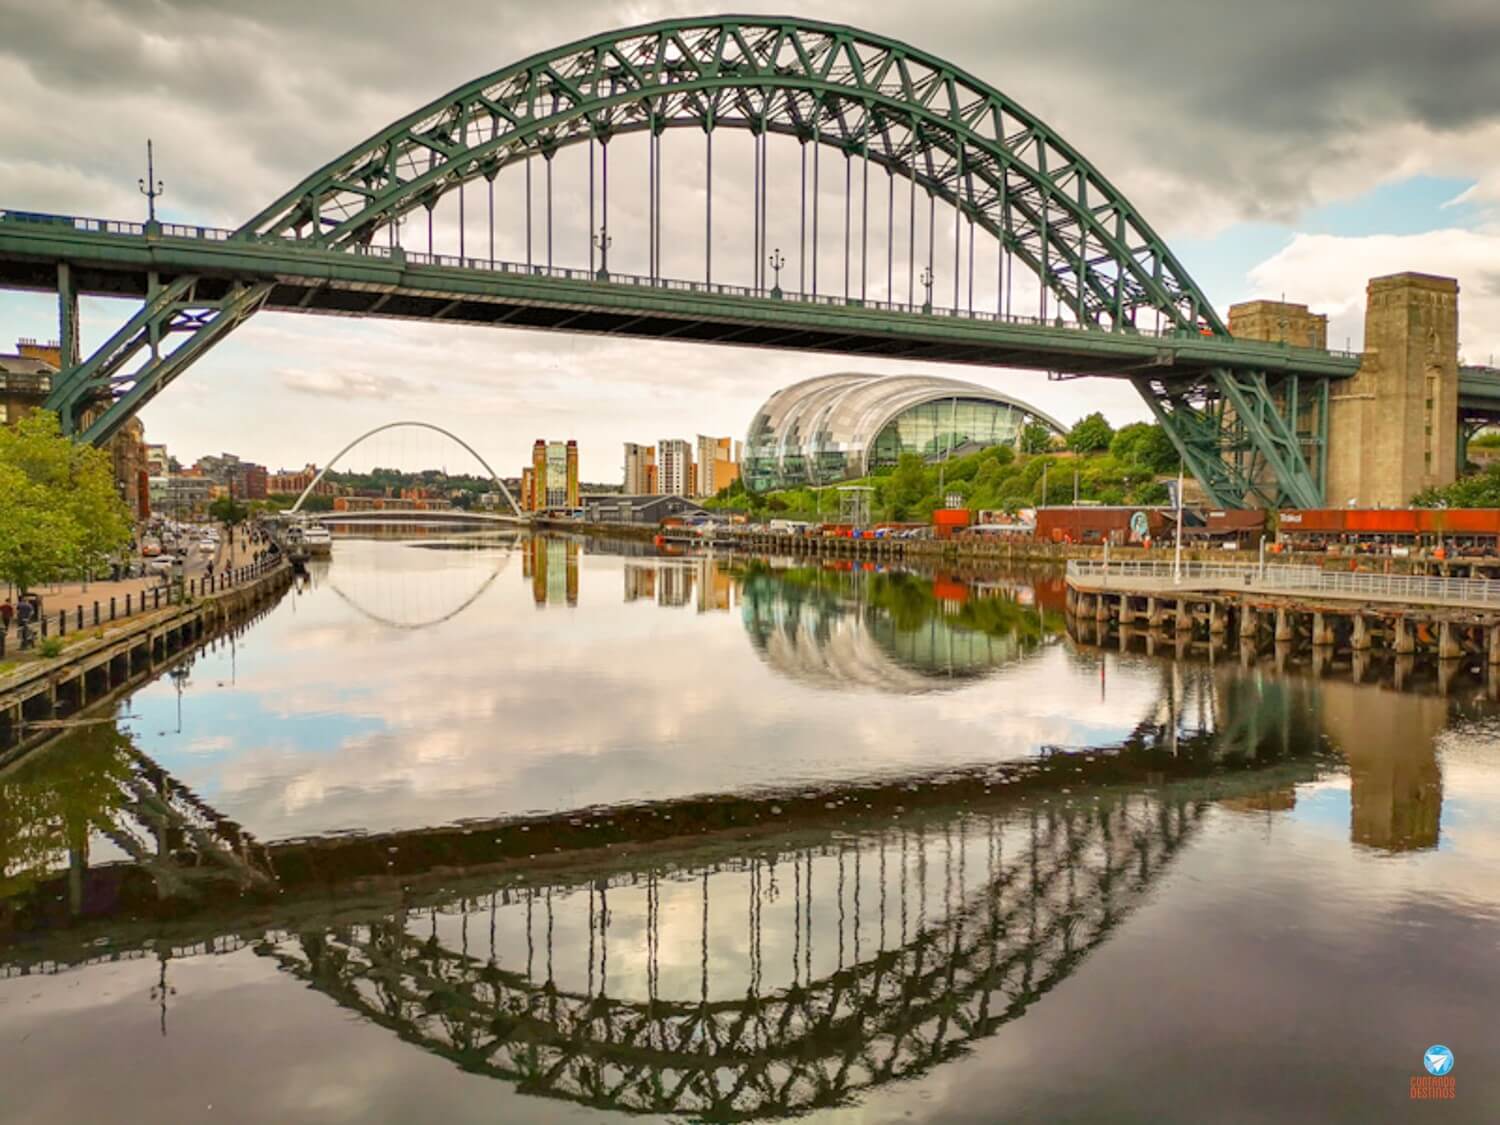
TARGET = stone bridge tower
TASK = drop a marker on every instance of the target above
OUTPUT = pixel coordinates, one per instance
(1393, 428)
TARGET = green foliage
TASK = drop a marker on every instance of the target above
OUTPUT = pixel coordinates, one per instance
(61, 515)
(50, 648)
(1036, 438)
(1490, 439)
(1090, 434)
(1147, 444)
(1481, 490)
(228, 511)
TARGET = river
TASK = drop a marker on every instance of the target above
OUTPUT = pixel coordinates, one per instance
(536, 829)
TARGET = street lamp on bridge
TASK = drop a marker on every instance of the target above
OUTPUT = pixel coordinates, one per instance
(603, 240)
(927, 285)
(151, 187)
(777, 261)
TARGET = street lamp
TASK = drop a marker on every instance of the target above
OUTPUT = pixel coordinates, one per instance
(151, 187)
(602, 240)
(777, 261)
(927, 284)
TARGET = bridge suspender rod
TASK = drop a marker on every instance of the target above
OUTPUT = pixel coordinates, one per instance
(657, 202)
(604, 210)
(549, 212)
(528, 215)
(755, 208)
(590, 235)
(802, 225)
(911, 241)
(958, 234)
(817, 127)
(651, 196)
(765, 196)
(461, 217)
(971, 266)
(708, 208)
(931, 242)
(429, 232)
(890, 236)
(864, 225)
(848, 193)
(492, 221)
(1046, 263)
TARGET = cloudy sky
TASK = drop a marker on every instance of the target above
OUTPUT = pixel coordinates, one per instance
(1300, 149)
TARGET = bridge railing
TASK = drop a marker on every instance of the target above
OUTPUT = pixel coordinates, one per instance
(448, 261)
(1298, 579)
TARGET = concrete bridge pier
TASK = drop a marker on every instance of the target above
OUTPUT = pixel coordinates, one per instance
(1493, 645)
(1404, 642)
(1101, 609)
(1322, 631)
(1184, 618)
(1249, 624)
(1283, 626)
(1153, 612)
(1359, 641)
(1448, 646)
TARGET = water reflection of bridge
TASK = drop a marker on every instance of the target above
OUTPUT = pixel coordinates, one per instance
(875, 932)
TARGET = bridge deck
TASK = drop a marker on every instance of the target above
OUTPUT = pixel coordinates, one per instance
(113, 259)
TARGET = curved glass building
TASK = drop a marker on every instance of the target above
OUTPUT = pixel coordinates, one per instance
(837, 427)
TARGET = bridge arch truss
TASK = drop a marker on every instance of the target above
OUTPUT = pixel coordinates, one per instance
(872, 100)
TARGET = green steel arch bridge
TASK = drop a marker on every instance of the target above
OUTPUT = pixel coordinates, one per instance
(1083, 286)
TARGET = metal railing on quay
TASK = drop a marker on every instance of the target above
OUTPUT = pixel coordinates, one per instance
(29, 633)
(1310, 579)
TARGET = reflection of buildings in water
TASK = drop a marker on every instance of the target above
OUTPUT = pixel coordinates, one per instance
(674, 585)
(1395, 782)
(715, 586)
(832, 638)
(552, 565)
(640, 581)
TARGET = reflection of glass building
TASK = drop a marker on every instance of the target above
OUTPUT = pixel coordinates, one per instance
(837, 427)
(836, 638)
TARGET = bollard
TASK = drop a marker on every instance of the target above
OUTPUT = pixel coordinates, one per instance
(96, 614)
(62, 623)
(111, 607)
(128, 610)
(80, 619)
(156, 598)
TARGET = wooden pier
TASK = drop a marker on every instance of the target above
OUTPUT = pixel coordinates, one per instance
(1293, 609)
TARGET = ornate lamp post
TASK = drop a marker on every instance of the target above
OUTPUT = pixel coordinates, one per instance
(151, 187)
(777, 261)
(927, 285)
(602, 240)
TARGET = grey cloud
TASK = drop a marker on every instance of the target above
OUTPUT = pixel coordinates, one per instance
(1227, 102)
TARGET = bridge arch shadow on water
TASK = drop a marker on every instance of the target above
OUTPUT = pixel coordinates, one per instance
(880, 929)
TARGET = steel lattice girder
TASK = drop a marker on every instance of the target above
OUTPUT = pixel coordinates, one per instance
(962, 140)
(1233, 428)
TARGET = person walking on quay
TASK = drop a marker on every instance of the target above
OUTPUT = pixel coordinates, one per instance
(7, 611)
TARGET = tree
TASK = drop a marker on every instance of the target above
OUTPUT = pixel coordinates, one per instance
(1090, 434)
(228, 511)
(1145, 444)
(1036, 438)
(61, 515)
(906, 485)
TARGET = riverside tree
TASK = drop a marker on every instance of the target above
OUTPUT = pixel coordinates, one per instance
(60, 515)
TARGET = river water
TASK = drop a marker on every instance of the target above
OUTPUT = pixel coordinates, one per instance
(510, 829)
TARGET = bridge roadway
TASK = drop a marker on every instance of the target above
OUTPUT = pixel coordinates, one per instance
(111, 258)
